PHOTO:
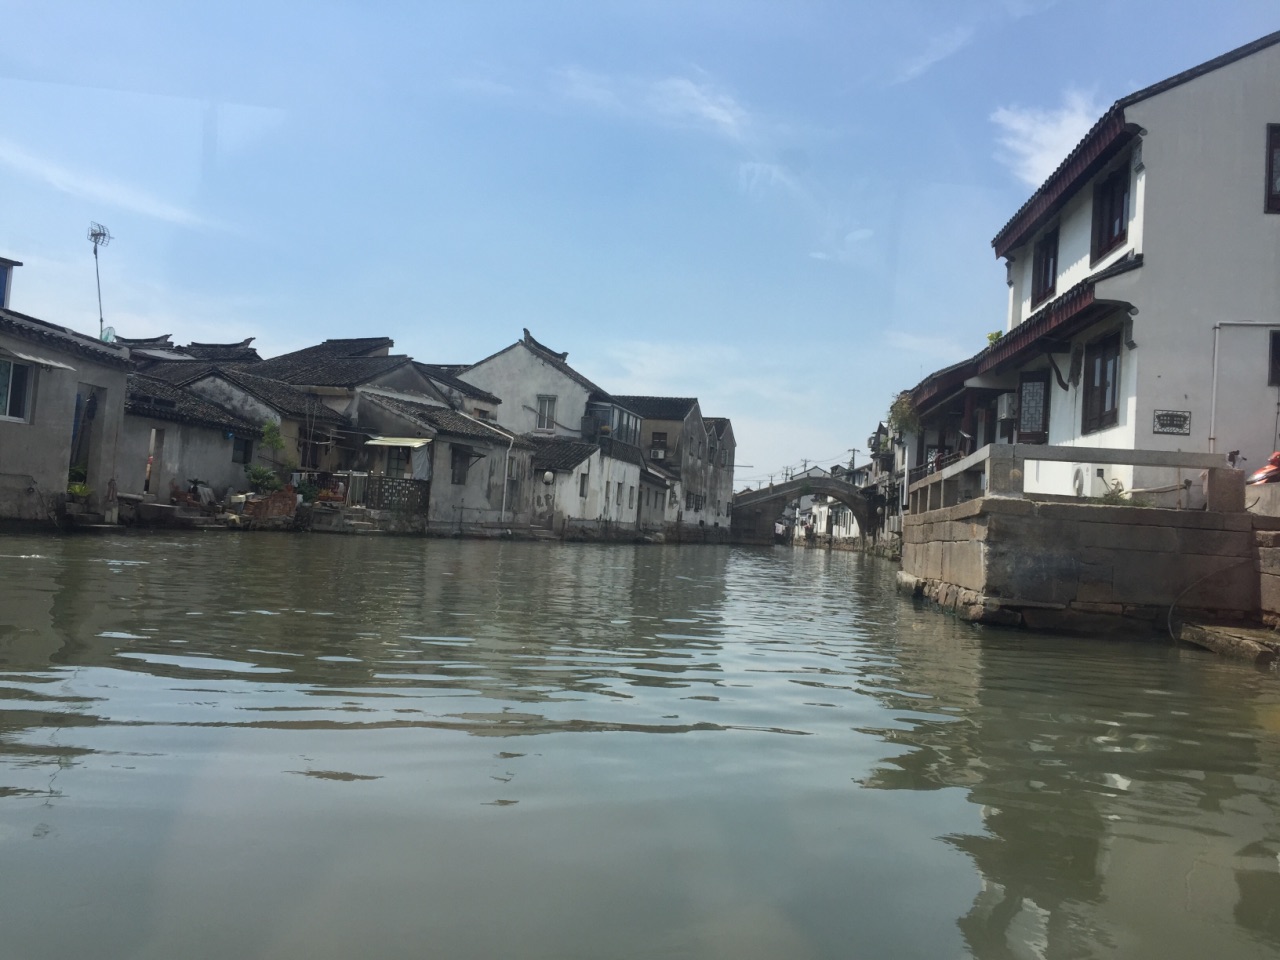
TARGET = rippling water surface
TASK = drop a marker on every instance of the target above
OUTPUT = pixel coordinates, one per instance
(306, 747)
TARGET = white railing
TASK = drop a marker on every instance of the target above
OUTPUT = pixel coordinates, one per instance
(999, 469)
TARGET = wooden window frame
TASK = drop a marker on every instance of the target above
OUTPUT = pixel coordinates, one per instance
(546, 420)
(1111, 192)
(1100, 407)
(1044, 268)
(23, 392)
(1272, 204)
(1034, 436)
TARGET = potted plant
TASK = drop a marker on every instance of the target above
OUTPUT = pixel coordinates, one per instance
(78, 492)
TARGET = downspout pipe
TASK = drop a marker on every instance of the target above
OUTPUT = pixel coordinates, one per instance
(506, 463)
(1213, 396)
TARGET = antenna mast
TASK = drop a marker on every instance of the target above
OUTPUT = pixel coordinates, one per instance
(99, 236)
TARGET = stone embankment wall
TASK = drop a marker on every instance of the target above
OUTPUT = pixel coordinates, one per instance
(1085, 567)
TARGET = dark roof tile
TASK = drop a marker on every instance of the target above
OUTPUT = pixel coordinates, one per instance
(658, 408)
(440, 419)
(158, 400)
(61, 338)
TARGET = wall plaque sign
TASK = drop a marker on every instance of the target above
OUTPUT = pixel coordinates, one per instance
(1172, 421)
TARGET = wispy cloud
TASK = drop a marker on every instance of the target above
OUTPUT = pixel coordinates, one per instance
(1033, 141)
(924, 345)
(850, 249)
(687, 101)
(90, 186)
(939, 48)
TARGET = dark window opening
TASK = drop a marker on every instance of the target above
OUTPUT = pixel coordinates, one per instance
(1044, 267)
(1033, 408)
(658, 441)
(1273, 375)
(1101, 384)
(582, 485)
(1111, 212)
(459, 464)
(1273, 168)
(242, 450)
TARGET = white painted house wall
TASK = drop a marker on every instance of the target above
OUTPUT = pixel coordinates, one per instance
(1211, 255)
(519, 376)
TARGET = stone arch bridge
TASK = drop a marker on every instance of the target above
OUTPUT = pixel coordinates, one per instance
(756, 511)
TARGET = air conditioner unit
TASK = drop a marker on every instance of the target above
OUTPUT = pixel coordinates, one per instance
(657, 454)
(1089, 480)
(1007, 406)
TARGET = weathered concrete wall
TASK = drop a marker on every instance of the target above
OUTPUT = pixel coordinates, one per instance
(35, 453)
(185, 452)
(1066, 566)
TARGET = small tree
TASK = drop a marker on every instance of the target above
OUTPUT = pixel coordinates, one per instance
(903, 418)
(271, 438)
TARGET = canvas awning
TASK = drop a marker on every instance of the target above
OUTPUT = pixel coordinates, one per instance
(412, 442)
(40, 361)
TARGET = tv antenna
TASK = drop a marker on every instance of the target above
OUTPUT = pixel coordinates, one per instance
(100, 236)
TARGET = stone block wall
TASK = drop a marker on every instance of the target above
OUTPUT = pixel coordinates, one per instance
(1084, 567)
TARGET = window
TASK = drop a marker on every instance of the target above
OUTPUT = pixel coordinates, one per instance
(15, 387)
(658, 441)
(397, 461)
(546, 413)
(607, 485)
(459, 464)
(242, 450)
(1273, 168)
(619, 493)
(1111, 212)
(582, 484)
(482, 413)
(1044, 267)
(1033, 407)
(1273, 377)
(631, 497)
(1101, 384)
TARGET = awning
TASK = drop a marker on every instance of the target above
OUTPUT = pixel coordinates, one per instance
(413, 442)
(40, 361)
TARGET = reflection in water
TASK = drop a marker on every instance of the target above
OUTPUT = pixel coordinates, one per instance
(281, 746)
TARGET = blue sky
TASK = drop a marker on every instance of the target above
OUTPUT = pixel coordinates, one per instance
(783, 208)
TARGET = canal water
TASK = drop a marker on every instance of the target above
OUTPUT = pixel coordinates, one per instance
(277, 746)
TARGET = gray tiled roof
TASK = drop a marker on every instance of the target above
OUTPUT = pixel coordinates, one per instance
(285, 399)
(178, 372)
(558, 453)
(321, 371)
(440, 419)
(659, 408)
(240, 352)
(446, 374)
(61, 338)
(158, 400)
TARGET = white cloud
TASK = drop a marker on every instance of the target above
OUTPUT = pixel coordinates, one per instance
(90, 186)
(1034, 141)
(939, 48)
(756, 178)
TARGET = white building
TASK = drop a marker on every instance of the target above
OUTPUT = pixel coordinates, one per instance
(1144, 289)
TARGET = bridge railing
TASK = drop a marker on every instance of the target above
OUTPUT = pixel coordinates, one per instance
(1000, 470)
